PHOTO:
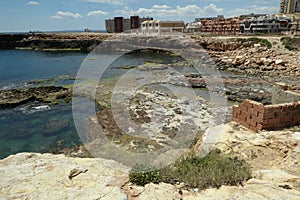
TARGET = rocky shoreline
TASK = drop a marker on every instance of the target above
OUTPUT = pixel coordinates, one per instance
(52, 41)
(257, 56)
(273, 156)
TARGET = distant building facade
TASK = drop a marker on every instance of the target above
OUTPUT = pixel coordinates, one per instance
(120, 24)
(265, 24)
(295, 27)
(289, 6)
(159, 27)
(220, 25)
(193, 27)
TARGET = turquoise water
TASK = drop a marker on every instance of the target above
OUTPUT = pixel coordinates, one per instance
(25, 129)
(37, 127)
(30, 127)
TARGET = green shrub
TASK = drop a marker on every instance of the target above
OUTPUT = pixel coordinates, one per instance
(292, 44)
(213, 170)
(141, 175)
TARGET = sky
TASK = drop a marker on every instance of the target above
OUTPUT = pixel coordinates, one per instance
(58, 15)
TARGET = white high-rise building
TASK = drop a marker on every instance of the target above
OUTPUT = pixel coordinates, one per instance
(289, 6)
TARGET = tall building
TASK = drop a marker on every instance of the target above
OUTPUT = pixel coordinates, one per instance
(289, 6)
(120, 24)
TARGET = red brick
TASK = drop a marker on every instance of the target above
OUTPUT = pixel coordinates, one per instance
(259, 127)
(269, 114)
(265, 122)
(244, 115)
(258, 107)
(294, 113)
(245, 124)
(253, 128)
(260, 115)
(247, 103)
(281, 114)
(243, 107)
(286, 119)
(234, 115)
(296, 120)
(235, 111)
(288, 107)
(267, 126)
(274, 121)
(241, 118)
(273, 108)
(253, 122)
(257, 119)
(253, 112)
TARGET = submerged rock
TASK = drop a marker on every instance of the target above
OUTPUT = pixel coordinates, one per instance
(47, 94)
(54, 127)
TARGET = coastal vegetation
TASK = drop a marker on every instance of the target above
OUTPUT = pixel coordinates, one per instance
(213, 170)
(291, 44)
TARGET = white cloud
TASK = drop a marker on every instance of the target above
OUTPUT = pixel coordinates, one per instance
(61, 15)
(160, 7)
(253, 9)
(186, 11)
(33, 3)
(97, 13)
(114, 2)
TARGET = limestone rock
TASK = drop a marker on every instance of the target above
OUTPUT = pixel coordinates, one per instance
(47, 176)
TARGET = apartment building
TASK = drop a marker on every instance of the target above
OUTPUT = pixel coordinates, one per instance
(289, 6)
(120, 24)
(220, 25)
(265, 24)
(159, 27)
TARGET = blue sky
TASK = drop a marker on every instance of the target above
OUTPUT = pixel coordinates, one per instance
(47, 15)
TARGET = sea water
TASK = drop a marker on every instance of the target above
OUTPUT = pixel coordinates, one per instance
(36, 126)
(39, 127)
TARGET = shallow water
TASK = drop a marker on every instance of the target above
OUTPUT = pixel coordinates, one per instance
(39, 127)
(36, 127)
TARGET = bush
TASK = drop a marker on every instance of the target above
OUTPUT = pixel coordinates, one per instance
(141, 175)
(213, 170)
(291, 44)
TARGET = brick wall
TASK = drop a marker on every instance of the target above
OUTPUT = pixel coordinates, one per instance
(256, 116)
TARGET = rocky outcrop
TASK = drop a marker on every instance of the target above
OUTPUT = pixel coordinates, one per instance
(273, 156)
(45, 94)
(259, 61)
(237, 88)
(48, 41)
(266, 150)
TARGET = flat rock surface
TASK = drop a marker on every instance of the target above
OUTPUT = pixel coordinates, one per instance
(273, 157)
(46, 176)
